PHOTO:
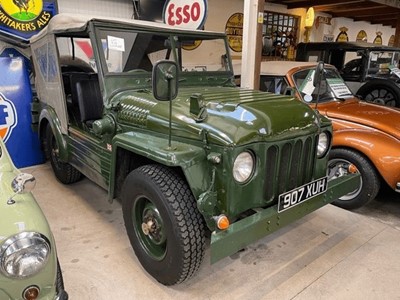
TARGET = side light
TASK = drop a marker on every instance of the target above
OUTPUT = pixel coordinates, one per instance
(31, 293)
(222, 222)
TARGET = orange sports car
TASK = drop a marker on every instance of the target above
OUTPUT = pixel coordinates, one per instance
(366, 136)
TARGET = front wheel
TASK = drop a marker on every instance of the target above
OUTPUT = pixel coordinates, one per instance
(339, 164)
(164, 226)
(380, 91)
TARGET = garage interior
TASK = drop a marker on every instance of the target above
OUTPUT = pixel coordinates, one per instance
(331, 253)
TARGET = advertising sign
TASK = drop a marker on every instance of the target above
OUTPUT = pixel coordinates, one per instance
(185, 13)
(8, 117)
(15, 113)
(24, 18)
(234, 31)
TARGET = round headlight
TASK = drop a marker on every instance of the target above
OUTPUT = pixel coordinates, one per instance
(243, 167)
(24, 255)
(323, 144)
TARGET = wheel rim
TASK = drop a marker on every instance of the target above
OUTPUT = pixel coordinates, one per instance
(339, 167)
(149, 228)
(381, 96)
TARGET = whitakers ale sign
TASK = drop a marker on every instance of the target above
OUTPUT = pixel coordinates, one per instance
(24, 18)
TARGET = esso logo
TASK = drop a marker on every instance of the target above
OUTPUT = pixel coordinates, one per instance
(8, 117)
(184, 13)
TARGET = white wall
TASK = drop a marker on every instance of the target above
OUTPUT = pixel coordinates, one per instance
(353, 29)
(109, 8)
(220, 10)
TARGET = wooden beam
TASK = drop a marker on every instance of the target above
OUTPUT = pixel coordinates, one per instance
(252, 44)
(397, 34)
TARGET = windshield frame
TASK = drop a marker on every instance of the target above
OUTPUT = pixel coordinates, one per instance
(172, 36)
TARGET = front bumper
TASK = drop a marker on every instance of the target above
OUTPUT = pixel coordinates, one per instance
(252, 228)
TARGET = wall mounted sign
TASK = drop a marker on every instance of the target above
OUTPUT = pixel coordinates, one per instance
(234, 31)
(342, 36)
(378, 38)
(322, 20)
(362, 36)
(192, 46)
(391, 41)
(185, 13)
(8, 117)
(24, 18)
(329, 38)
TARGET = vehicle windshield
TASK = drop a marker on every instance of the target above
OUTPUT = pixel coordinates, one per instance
(382, 62)
(128, 51)
(331, 87)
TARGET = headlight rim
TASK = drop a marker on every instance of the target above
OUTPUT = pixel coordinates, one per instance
(251, 174)
(17, 237)
(328, 144)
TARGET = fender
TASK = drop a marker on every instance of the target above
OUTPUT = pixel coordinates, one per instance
(191, 159)
(49, 114)
(380, 148)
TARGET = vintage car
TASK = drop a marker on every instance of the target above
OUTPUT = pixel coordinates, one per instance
(29, 267)
(366, 136)
(151, 113)
(370, 70)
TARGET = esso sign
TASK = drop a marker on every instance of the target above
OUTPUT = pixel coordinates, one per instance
(185, 13)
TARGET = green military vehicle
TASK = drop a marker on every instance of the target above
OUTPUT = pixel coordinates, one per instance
(151, 113)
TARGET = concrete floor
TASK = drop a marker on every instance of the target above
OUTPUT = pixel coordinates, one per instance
(330, 254)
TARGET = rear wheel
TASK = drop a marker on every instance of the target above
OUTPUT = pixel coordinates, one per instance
(64, 172)
(339, 162)
(164, 226)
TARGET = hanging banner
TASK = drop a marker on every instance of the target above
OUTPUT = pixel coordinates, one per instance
(185, 13)
(25, 18)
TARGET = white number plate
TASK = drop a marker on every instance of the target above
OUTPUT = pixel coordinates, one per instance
(303, 193)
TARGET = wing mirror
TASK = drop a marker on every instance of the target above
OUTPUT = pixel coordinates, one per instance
(318, 75)
(21, 184)
(165, 80)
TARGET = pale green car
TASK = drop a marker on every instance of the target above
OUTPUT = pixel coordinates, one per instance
(29, 267)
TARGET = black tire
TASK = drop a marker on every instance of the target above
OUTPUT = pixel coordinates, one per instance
(381, 91)
(165, 228)
(62, 294)
(64, 172)
(60, 279)
(339, 160)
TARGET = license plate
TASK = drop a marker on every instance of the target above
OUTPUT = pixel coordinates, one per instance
(301, 194)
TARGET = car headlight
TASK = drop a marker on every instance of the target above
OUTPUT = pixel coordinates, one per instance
(323, 144)
(243, 167)
(24, 255)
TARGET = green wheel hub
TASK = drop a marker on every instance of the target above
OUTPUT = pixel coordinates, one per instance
(149, 227)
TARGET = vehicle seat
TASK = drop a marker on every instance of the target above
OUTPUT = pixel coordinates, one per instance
(89, 99)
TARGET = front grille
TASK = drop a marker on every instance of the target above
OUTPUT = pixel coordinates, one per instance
(289, 165)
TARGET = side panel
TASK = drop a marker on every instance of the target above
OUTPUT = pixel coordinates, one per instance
(48, 77)
(90, 155)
